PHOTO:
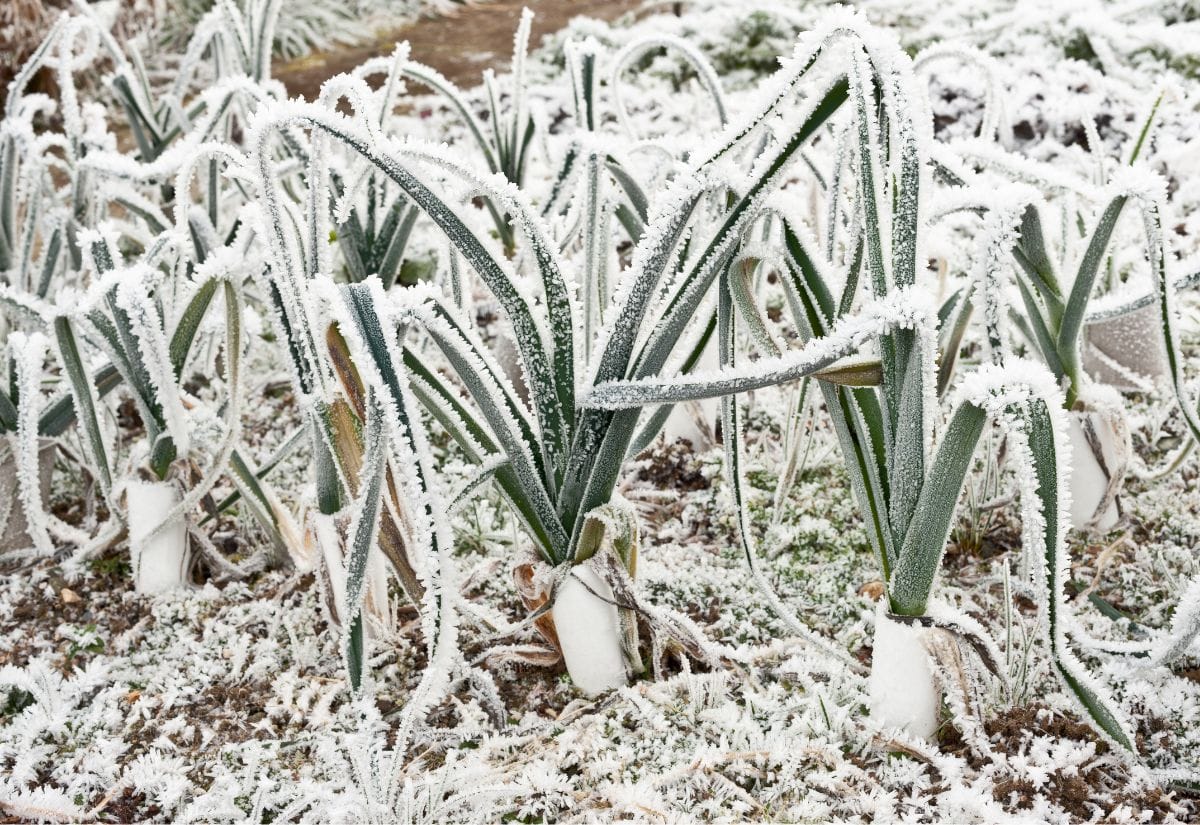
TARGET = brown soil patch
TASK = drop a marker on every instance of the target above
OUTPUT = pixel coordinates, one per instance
(1096, 786)
(673, 467)
(459, 45)
(92, 601)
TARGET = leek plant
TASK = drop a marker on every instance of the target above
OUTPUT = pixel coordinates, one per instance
(1051, 318)
(555, 461)
(119, 320)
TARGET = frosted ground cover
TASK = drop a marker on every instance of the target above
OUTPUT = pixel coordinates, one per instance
(231, 700)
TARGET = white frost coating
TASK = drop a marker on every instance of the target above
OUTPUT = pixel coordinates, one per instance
(636, 49)
(994, 269)
(589, 631)
(902, 309)
(28, 353)
(1185, 627)
(1024, 169)
(159, 548)
(901, 686)
(134, 296)
(1138, 182)
(995, 113)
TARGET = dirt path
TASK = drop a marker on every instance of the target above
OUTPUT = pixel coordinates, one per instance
(460, 45)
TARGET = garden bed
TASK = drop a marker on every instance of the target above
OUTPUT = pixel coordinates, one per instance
(409, 675)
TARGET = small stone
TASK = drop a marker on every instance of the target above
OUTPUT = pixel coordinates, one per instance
(69, 596)
(872, 589)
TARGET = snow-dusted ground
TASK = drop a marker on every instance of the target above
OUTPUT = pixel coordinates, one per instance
(228, 702)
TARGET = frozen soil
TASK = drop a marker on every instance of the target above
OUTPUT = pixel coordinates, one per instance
(228, 701)
(460, 44)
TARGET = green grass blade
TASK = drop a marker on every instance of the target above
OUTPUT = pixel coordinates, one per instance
(84, 398)
(1081, 294)
(1082, 687)
(189, 324)
(925, 539)
(363, 529)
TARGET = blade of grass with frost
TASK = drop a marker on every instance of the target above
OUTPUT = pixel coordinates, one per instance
(1043, 445)
(581, 69)
(595, 250)
(367, 250)
(473, 437)
(468, 490)
(435, 80)
(360, 306)
(151, 350)
(32, 65)
(8, 202)
(224, 449)
(364, 528)
(506, 149)
(953, 319)
(184, 334)
(117, 337)
(344, 421)
(60, 414)
(28, 354)
(1168, 314)
(1081, 292)
(84, 397)
(8, 410)
(905, 422)
(640, 48)
(249, 478)
(634, 213)
(145, 131)
(904, 310)
(250, 487)
(505, 419)
(732, 429)
(50, 261)
(856, 414)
